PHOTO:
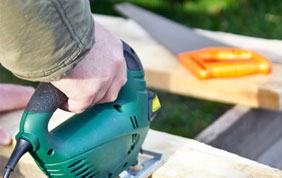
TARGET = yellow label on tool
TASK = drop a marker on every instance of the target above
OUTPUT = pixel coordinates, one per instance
(156, 104)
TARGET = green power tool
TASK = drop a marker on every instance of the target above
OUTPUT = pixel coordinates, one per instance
(102, 142)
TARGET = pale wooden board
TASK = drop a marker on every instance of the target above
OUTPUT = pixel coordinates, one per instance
(164, 72)
(193, 159)
(185, 157)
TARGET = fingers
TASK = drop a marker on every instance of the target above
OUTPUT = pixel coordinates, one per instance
(113, 91)
(107, 93)
(78, 104)
(5, 138)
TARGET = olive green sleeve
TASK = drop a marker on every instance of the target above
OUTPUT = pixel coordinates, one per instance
(42, 40)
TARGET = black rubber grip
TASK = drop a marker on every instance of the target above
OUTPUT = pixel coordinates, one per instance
(46, 98)
(132, 60)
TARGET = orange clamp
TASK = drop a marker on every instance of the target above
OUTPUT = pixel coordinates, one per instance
(217, 62)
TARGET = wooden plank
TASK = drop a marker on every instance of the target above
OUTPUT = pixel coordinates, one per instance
(197, 160)
(222, 124)
(253, 133)
(185, 157)
(164, 72)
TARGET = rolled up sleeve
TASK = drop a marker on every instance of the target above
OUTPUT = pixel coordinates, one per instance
(42, 40)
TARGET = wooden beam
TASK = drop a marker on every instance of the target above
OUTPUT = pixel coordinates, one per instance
(163, 70)
(185, 157)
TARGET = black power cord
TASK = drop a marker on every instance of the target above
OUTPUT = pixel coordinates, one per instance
(21, 148)
(7, 173)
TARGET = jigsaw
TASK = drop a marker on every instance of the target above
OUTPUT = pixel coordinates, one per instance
(102, 142)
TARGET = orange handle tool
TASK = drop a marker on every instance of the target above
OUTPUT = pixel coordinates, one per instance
(215, 62)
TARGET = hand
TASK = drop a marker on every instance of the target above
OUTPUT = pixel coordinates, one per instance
(99, 77)
(12, 97)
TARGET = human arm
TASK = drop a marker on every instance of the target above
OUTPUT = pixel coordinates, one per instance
(45, 40)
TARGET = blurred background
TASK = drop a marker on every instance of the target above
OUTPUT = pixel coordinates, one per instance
(183, 115)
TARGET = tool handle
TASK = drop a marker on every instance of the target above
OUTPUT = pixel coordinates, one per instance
(46, 99)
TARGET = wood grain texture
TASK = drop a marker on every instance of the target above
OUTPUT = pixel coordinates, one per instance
(164, 72)
(185, 157)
